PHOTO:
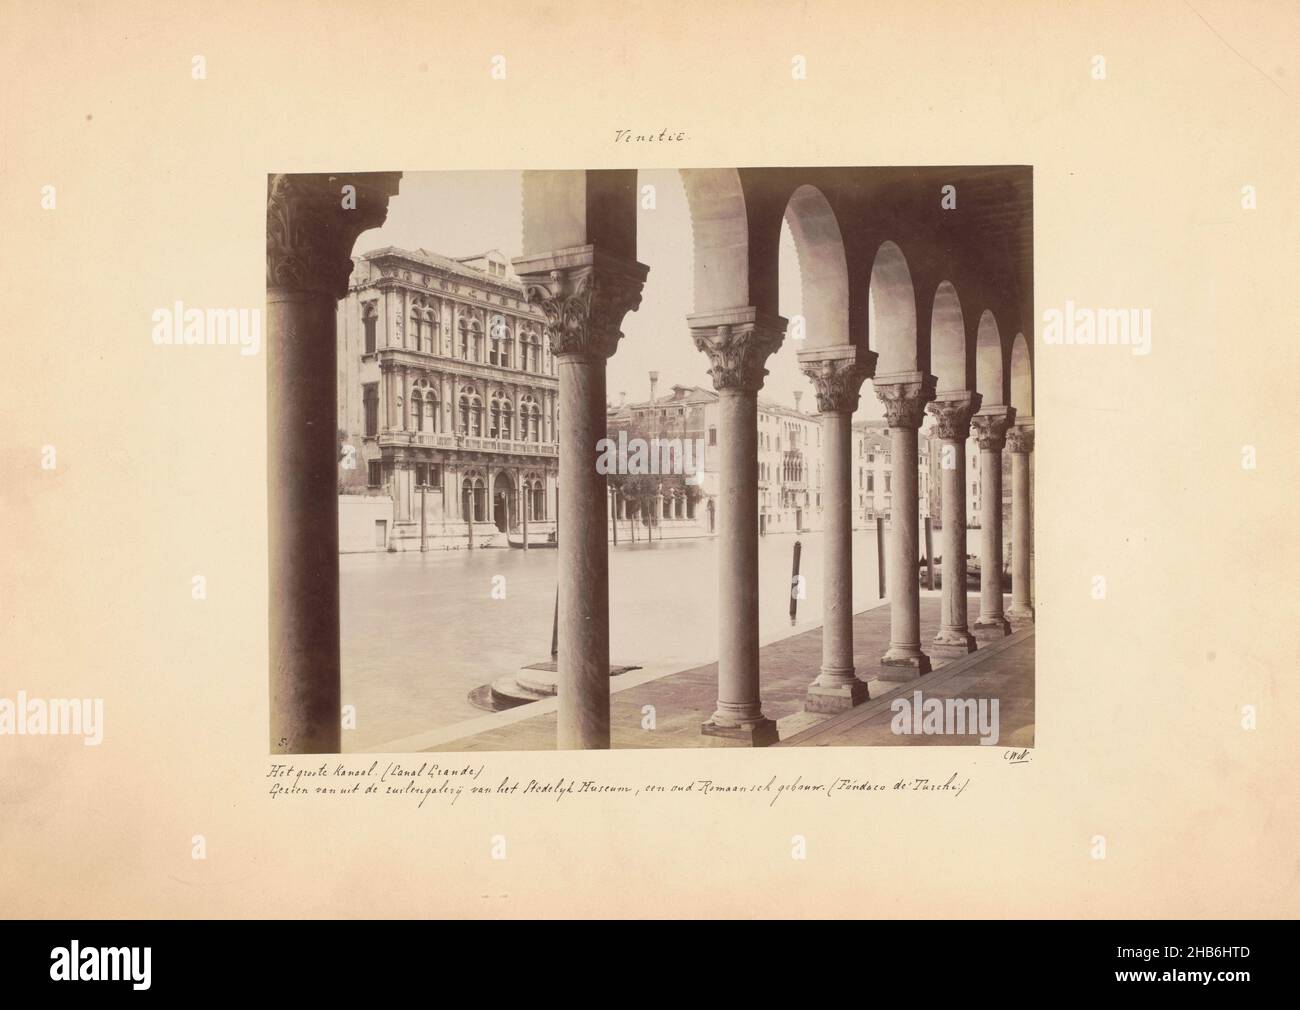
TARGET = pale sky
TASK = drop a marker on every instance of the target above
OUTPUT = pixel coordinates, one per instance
(462, 213)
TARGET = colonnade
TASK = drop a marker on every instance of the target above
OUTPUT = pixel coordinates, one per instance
(579, 270)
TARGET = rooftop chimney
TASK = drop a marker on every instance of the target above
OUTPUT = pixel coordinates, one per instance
(654, 385)
(798, 395)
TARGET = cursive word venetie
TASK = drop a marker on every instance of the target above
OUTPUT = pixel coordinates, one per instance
(662, 137)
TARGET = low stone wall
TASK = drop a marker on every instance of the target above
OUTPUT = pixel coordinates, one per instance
(449, 536)
(359, 519)
(667, 529)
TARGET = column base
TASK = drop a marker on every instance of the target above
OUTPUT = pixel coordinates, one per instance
(904, 664)
(1020, 612)
(991, 631)
(760, 732)
(829, 699)
(953, 644)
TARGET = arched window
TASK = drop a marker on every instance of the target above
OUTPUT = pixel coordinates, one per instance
(467, 498)
(507, 418)
(431, 411)
(416, 324)
(369, 320)
(499, 342)
(476, 339)
(417, 410)
(463, 329)
(424, 326)
(529, 415)
(471, 412)
(494, 416)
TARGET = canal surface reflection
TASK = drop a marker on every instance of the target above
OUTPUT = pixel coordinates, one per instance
(420, 631)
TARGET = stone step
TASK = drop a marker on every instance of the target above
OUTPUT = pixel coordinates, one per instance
(535, 682)
(507, 692)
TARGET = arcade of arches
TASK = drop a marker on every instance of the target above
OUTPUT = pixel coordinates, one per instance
(933, 305)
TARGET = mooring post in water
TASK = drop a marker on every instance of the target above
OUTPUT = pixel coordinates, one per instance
(555, 626)
(794, 582)
(929, 555)
(469, 523)
(880, 552)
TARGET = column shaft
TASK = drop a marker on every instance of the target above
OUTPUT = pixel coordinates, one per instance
(952, 413)
(991, 429)
(954, 637)
(905, 397)
(837, 564)
(837, 374)
(1020, 442)
(584, 294)
(991, 536)
(303, 532)
(905, 548)
(738, 690)
(738, 341)
(309, 240)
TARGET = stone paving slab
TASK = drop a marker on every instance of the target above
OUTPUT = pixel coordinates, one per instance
(684, 700)
(1002, 670)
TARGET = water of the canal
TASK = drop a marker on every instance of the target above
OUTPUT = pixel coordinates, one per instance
(420, 631)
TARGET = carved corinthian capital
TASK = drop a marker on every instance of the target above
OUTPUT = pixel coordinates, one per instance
(837, 374)
(738, 343)
(990, 429)
(312, 222)
(1020, 439)
(904, 397)
(952, 414)
(584, 295)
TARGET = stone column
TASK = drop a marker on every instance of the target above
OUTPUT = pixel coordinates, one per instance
(952, 413)
(584, 295)
(991, 426)
(904, 396)
(738, 342)
(837, 374)
(1020, 443)
(309, 239)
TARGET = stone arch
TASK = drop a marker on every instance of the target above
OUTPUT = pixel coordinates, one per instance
(948, 358)
(891, 312)
(990, 375)
(504, 511)
(1022, 378)
(720, 237)
(823, 268)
